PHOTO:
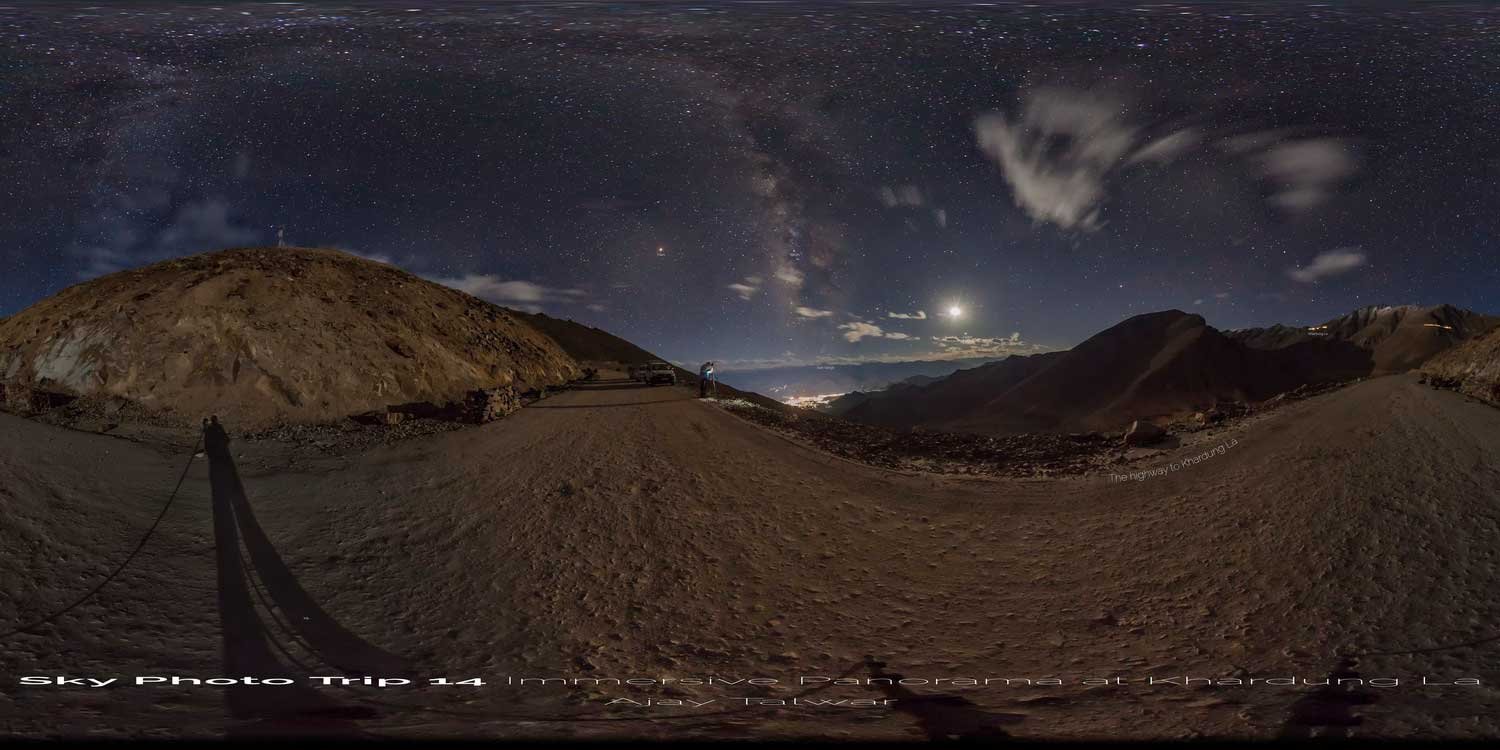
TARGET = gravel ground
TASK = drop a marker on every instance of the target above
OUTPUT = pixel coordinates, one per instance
(622, 531)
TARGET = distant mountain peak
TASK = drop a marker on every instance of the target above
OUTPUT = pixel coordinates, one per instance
(1169, 362)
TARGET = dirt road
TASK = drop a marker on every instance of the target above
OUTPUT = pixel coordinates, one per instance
(628, 532)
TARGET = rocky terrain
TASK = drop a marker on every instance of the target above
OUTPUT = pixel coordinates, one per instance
(1158, 366)
(1020, 455)
(609, 529)
(266, 337)
(939, 452)
(621, 531)
(1472, 367)
(1164, 366)
(1399, 338)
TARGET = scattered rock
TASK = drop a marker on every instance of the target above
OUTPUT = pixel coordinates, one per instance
(1028, 455)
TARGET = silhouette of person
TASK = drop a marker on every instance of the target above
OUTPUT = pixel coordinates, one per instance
(215, 439)
(705, 376)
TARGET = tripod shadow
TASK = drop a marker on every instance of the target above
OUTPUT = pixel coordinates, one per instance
(246, 642)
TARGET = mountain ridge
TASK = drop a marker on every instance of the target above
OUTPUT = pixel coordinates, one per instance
(1168, 363)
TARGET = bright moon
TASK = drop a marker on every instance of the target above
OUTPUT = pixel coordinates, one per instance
(955, 311)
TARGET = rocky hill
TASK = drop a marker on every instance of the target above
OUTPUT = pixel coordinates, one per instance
(1162, 364)
(1399, 337)
(1472, 368)
(266, 337)
(1168, 363)
(1155, 365)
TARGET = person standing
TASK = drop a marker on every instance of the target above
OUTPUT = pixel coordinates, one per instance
(705, 376)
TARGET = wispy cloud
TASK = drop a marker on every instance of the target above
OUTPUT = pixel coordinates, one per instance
(1167, 148)
(1065, 147)
(522, 295)
(968, 347)
(1327, 264)
(858, 330)
(1057, 155)
(747, 288)
(1306, 172)
(809, 312)
(901, 195)
(918, 315)
(790, 275)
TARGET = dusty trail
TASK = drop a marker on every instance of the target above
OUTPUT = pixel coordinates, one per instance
(622, 531)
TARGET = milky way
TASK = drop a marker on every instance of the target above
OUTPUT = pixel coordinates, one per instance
(777, 183)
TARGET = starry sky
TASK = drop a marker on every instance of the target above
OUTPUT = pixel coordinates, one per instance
(777, 183)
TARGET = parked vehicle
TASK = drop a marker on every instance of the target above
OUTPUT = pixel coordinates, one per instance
(638, 372)
(661, 372)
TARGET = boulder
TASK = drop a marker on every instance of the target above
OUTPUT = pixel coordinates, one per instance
(1142, 432)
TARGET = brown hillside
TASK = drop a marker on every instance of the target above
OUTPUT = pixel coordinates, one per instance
(1399, 337)
(1153, 365)
(1474, 365)
(270, 336)
(586, 343)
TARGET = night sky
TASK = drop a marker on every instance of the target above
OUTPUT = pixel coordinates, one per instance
(778, 183)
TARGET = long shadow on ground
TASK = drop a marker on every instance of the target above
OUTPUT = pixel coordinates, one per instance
(248, 645)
